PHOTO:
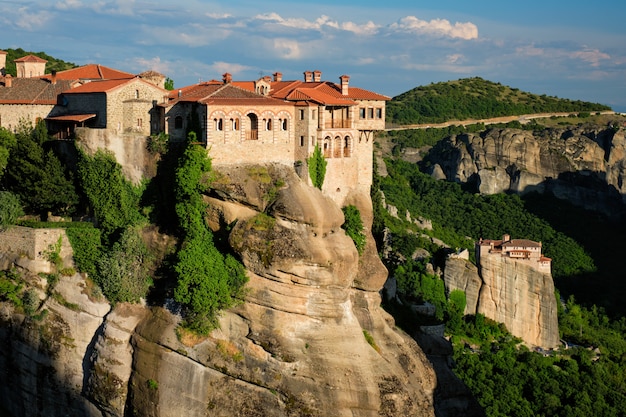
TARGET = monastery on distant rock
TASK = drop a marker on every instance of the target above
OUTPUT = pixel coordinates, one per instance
(522, 250)
(268, 120)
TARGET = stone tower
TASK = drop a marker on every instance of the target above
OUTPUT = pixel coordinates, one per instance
(30, 66)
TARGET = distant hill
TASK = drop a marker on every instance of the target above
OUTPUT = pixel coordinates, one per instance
(52, 64)
(474, 98)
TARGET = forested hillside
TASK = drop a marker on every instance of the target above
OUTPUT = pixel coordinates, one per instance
(53, 64)
(474, 98)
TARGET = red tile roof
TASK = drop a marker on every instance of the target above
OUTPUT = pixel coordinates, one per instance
(91, 72)
(212, 92)
(30, 58)
(105, 86)
(72, 117)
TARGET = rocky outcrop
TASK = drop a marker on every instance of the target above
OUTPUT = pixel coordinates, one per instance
(310, 338)
(583, 165)
(508, 291)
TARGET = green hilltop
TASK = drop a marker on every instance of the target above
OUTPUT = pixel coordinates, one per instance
(474, 98)
(53, 64)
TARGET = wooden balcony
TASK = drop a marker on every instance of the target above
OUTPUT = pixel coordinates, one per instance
(338, 124)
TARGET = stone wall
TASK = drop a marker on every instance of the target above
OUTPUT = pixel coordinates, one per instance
(11, 114)
(29, 247)
(129, 108)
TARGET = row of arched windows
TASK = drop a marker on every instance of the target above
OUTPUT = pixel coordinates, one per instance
(338, 147)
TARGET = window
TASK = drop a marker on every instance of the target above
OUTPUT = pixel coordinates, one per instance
(234, 124)
(370, 113)
(136, 93)
(301, 114)
(301, 140)
(253, 121)
(139, 123)
(283, 124)
(379, 113)
(219, 124)
(362, 112)
(346, 146)
(178, 122)
(268, 124)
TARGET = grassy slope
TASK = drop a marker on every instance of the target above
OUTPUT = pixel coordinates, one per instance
(474, 98)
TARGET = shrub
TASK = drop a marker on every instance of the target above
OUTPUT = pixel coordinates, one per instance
(10, 209)
(353, 226)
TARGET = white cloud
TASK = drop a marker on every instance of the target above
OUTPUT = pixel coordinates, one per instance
(69, 4)
(592, 56)
(287, 48)
(28, 20)
(319, 24)
(455, 58)
(219, 16)
(117, 7)
(155, 64)
(221, 67)
(436, 27)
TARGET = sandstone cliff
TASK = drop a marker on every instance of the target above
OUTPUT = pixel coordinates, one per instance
(510, 292)
(310, 339)
(583, 165)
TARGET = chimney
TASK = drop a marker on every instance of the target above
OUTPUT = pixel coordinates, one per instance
(3, 62)
(227, 78)
(8, 81)
(180, 93)
(308, 76)
(53, 77)
(345, 79)
(317, 76)
(506, 238)
(278, 76)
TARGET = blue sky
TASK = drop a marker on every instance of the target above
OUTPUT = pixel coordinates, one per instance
(569, 49)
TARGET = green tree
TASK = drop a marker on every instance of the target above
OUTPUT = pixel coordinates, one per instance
(169, 84)
(37, 175)
(207, 280)
(7, 142)
(124, 270)
(10, 209)
(317, 167)
(113, 199)
(353, 225)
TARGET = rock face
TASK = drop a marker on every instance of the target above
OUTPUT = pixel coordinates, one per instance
(510, 292)
(584, 166)
(310, 339)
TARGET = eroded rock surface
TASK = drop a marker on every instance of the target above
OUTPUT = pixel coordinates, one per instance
(510, 292)
(310, 339)
(583, 165)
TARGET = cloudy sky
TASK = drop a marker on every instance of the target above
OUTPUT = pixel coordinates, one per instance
(570, 49)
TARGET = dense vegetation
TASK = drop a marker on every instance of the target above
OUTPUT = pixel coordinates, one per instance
(116, 249)
(478, 216)
(587, 378)
(474, 98)
(53, 64)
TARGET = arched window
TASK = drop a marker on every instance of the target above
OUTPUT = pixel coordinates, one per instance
(337, 147)
(234, 124)
(178, 122)
(253, 133)
(284, 125)
(346, 146)
(136, 93)
(219, 124)
(268, 124)
(326, 147)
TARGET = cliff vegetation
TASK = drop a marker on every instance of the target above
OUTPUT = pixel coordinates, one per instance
(53, 64)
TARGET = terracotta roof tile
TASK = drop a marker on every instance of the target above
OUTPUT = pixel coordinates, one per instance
(30, 58)
(91, 72)
(97, 87)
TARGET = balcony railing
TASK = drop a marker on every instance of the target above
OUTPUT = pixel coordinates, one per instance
(338, 124)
